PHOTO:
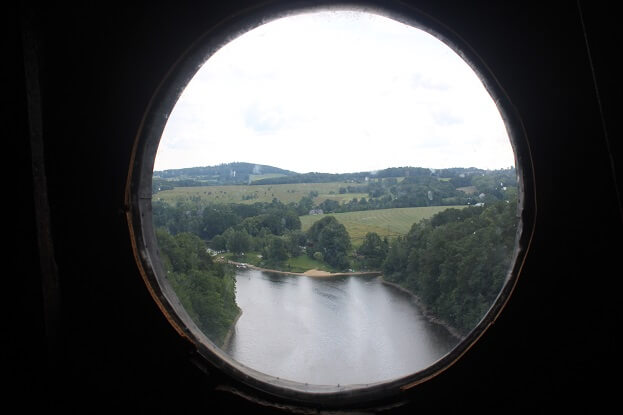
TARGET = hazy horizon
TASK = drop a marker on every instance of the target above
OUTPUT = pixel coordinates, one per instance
(332, 172)
(335, 91)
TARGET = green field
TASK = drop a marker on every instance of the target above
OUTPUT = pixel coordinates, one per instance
(286, 193)
(303, 263)
(255, 177)
(385, 222)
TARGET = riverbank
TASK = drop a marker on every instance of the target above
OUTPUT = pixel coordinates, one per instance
(230, 332)
(316, 273)
(425, 311)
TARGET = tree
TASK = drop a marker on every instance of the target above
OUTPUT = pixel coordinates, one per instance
(295, 241)
(395, 264)
(218, 243)
(238, 241)
(329, 205)
(275, 250)
(205, 288)
(374, 250)
(305, 205)
(330, 237)
(292, 222)
(216, 219)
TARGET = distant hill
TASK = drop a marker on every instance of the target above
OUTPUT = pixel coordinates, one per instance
(337, 177)
(469, 180)
(457, 174)
(222, 174)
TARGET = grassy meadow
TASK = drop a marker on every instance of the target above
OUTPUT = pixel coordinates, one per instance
(255, 177)
(286, 193)
(385, 222)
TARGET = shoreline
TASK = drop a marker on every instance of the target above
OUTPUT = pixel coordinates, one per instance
(230, 332)
(425, 311)
(316, 273)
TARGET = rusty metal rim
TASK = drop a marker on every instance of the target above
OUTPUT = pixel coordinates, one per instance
(138, 202)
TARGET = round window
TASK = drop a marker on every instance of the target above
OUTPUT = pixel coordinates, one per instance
(328, 202)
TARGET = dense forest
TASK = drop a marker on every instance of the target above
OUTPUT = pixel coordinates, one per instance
(457, 261)
(206, 289)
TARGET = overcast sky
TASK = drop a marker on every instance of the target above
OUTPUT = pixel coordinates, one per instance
(335, 92)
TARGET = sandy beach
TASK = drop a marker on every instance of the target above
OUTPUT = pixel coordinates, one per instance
(316, 273)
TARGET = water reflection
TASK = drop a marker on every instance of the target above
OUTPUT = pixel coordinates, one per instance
(339, 330)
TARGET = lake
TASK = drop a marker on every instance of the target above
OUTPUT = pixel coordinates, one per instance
(332, 330)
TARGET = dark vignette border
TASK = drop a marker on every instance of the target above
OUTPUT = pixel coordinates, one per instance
(139, 213)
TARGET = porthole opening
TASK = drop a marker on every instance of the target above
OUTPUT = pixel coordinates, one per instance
(329, 202)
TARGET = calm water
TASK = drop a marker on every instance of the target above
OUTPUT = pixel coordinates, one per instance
(339, 330)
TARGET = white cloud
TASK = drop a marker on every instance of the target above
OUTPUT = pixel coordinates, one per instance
(335, 92)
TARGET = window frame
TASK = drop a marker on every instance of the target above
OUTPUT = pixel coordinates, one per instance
(142, 233)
